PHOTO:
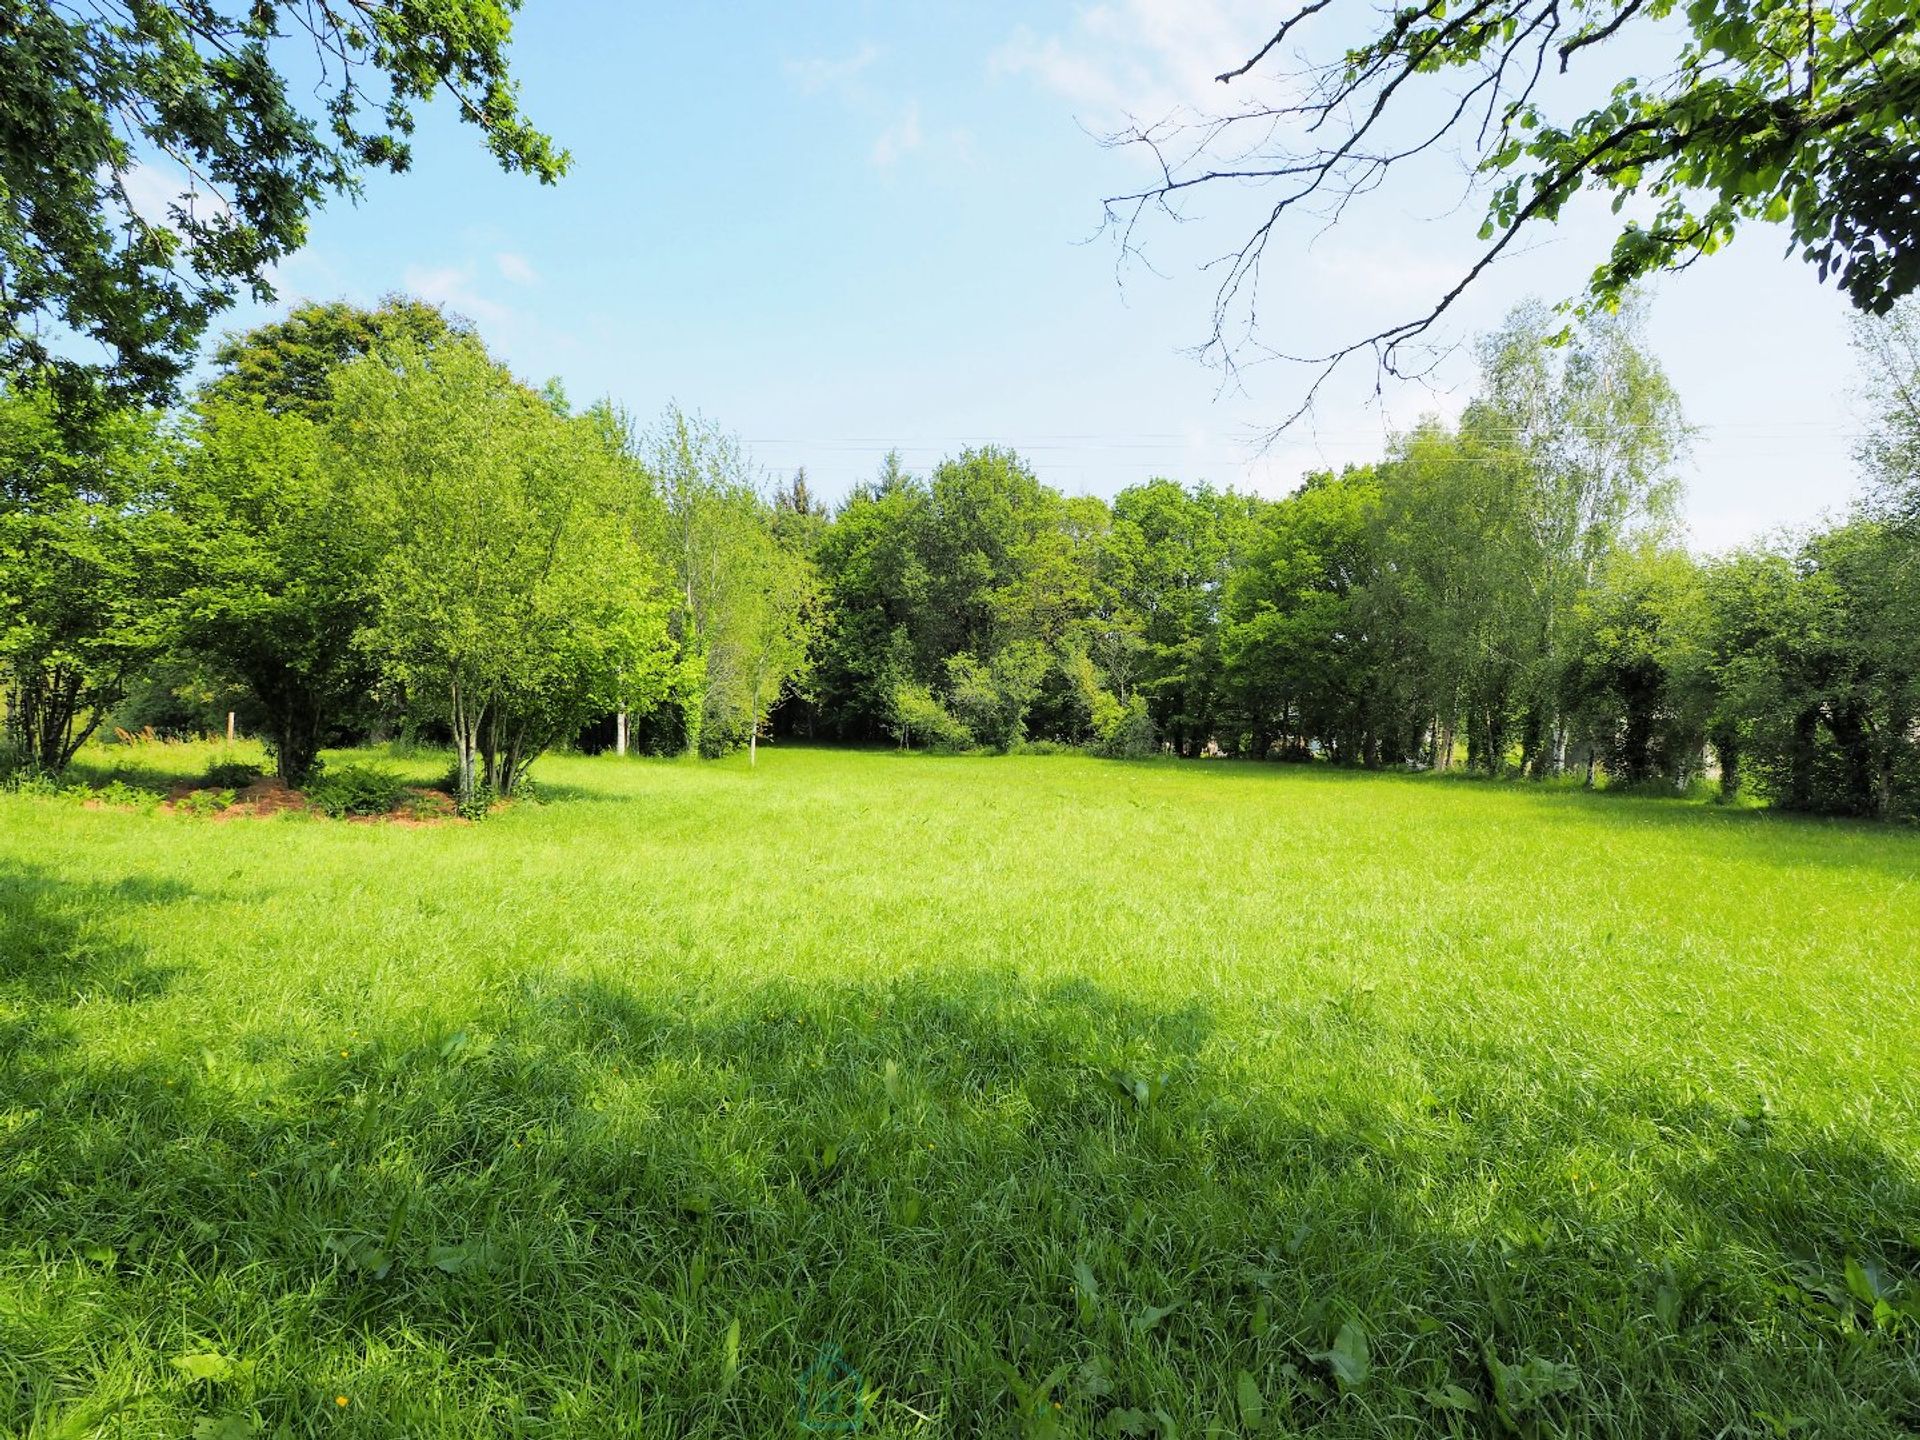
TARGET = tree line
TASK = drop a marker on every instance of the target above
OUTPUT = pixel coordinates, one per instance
(364, 524)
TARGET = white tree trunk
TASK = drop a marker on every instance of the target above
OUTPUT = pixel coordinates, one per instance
(620, 731)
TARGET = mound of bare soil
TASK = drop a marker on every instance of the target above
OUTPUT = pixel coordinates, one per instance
(270, 795)
(416, 807)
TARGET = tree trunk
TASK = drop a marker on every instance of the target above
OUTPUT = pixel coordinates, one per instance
(465, 742)
(1532, 740)
(296, 743)
(49, 716)
(1850, 732)
(1727, 750)
(620, 731)
(1805, 748)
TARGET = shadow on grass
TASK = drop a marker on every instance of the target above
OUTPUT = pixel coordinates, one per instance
(61, 942)
(593, 1211)
(103, 766)
(1775, 837)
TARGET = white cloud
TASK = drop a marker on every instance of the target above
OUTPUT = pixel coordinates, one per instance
(1387, 272)
(899, 138)
(453, 287)
(516, 269)
(152, 190)
(1139, 59)
(827, 73)
(1088, 82)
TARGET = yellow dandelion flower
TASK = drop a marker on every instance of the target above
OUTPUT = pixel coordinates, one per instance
(340, 1400)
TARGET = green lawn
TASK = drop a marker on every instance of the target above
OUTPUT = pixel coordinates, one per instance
(1048, 1096)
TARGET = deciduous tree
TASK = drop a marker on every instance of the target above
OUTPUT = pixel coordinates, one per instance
(259, 109)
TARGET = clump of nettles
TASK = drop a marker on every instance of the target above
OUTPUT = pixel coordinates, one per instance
(231, 774)
(478, 802)
(30, 781)
(204, 802)
(341, 790)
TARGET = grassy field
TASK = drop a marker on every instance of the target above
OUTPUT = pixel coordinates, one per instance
(1032, 1096)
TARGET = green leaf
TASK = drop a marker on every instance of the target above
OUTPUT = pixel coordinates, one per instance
(1518, 1388)
(458, 1259)
(1348, 1359)
(209, 1365)
(226, 1427)
(361, 1254)
(1152, 1316)
(1451, 1397)
(1863, 1282)
(1083, 1278)
(1252, 1405)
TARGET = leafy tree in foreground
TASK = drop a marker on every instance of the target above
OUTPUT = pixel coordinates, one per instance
(83, 599)
(1770, 111)
(275, 569)
(265, 107)
(511, 595)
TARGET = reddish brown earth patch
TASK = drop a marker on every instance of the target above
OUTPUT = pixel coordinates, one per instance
(270, 795)
(418, 808)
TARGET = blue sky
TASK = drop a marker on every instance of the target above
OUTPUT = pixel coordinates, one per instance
(839, 229)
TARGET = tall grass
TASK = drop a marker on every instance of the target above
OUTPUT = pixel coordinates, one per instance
(1021, 1096)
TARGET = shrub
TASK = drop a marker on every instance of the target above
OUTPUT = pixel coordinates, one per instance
(203, 802)
(1044, 747)
(355, 790)
(1128, 732)
(31, 780)
(992, 700)
(478, 802)
(919, 717)
(120, 793)
(232, 774)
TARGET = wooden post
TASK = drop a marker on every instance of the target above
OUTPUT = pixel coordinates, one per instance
(229, 727)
